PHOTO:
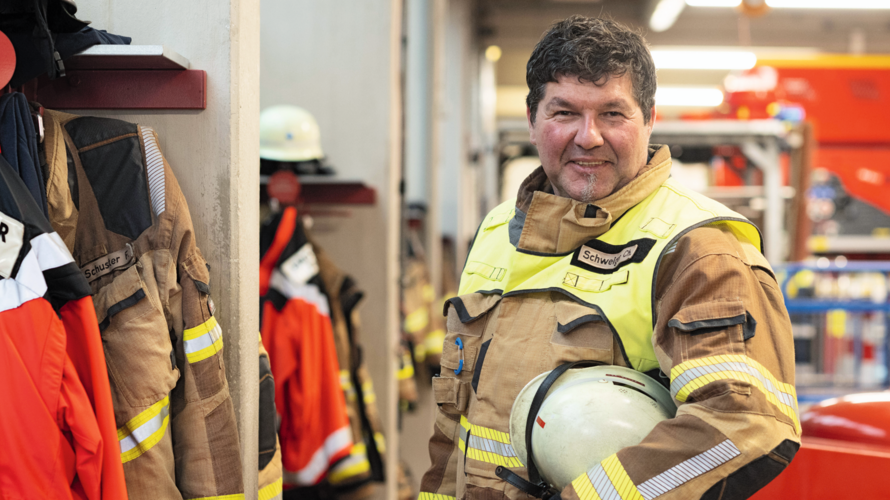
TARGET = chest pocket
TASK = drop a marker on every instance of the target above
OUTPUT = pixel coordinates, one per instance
(580, 333)
(466, 319)
(138, 350)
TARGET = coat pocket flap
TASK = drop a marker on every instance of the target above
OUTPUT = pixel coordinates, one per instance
(471, 306)
(451, 391)
(570, 315)
(125, 291)
(709, 315)
(451, 356)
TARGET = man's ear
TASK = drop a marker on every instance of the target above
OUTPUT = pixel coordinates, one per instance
(651, 120)
(531, 125)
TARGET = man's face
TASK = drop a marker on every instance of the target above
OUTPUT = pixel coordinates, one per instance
(591, 139)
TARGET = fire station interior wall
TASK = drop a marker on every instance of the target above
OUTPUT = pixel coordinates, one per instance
(214, 154)
(341, 60)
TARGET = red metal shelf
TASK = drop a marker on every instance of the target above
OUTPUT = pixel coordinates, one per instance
(123, 77)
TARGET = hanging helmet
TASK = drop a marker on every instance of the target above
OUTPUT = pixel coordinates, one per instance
(289, 133)
(588, 414)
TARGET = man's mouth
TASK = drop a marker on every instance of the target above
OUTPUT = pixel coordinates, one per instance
(589, 163)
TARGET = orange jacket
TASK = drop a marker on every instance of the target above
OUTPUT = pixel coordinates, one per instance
(296, 330)
(57, 432)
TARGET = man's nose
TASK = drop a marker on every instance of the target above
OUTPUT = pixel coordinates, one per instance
(589, 136)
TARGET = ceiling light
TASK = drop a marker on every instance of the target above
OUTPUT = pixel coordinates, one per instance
(703, 59)
(665, 14)
(688, 96)
(713, 3)
(829, 4)
(493, 53)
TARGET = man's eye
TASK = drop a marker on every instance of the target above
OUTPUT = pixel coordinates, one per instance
(563, 113)
(613, 114)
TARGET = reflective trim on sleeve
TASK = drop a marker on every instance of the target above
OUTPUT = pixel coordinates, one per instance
(688, 470)
(313, 471)
(487, 445)
(154, 166)
(368, 396)
(236, 496)
(202, 341)
(434, 342)
(417, 320)
(144, 430)
(353, 465)
(434, 496)
(271, 491)
(346, 385)
(406, 372)
(380, 441)
(697, 373)
(606, 481)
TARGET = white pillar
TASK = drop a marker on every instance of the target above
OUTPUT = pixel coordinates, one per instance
(214, 154)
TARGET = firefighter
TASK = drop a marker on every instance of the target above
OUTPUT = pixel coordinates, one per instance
(602, 257)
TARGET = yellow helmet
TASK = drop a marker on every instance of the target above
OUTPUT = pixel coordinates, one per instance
(289, 133)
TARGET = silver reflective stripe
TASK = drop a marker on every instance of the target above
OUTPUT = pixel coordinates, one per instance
(602, 484)
(154, 165)
(692, 373)
(688, 470)
(492, 446)
(145, 430)
(204, 341)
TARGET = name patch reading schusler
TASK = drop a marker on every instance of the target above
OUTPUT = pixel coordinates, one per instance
(605, 258)
(108, 263)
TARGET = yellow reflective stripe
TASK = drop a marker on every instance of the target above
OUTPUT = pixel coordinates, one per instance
(487, 445)
(694, 374)
(202, 341)
(626, 488)
(237, 496)
(406, 371)
(417, 320)
(144, 431)
(584, 488)
(270, 491)
(434, 341)
(356, 463)
(434, 496)
(381, 442)
(368, 395)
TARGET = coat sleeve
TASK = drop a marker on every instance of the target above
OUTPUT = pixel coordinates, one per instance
(206, 444)
(723, 337)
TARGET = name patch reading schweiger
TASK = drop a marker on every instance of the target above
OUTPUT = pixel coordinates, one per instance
(604, 258)
(104, 265)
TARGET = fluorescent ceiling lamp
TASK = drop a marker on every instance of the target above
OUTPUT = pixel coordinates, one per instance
(713, 3)
(703, 59)
(829, 4)
(665, 14)
(799, 4)
(688, 96)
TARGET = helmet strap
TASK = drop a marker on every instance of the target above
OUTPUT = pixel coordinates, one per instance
(536, 486)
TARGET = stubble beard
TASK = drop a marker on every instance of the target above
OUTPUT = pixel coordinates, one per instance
(587, 193)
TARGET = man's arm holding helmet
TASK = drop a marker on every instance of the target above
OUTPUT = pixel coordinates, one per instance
(723, 336)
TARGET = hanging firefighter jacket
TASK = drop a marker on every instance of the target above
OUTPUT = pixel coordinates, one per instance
(297, 332)
(354, 477)
(54, 381)
(114, 201)
(269, 482)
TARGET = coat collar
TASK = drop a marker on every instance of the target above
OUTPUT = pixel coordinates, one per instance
(557, 225)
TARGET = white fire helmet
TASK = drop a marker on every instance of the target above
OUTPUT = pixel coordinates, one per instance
(289, 133)
(588, 414)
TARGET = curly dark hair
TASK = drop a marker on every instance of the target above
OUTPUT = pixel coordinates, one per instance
(593, 50)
